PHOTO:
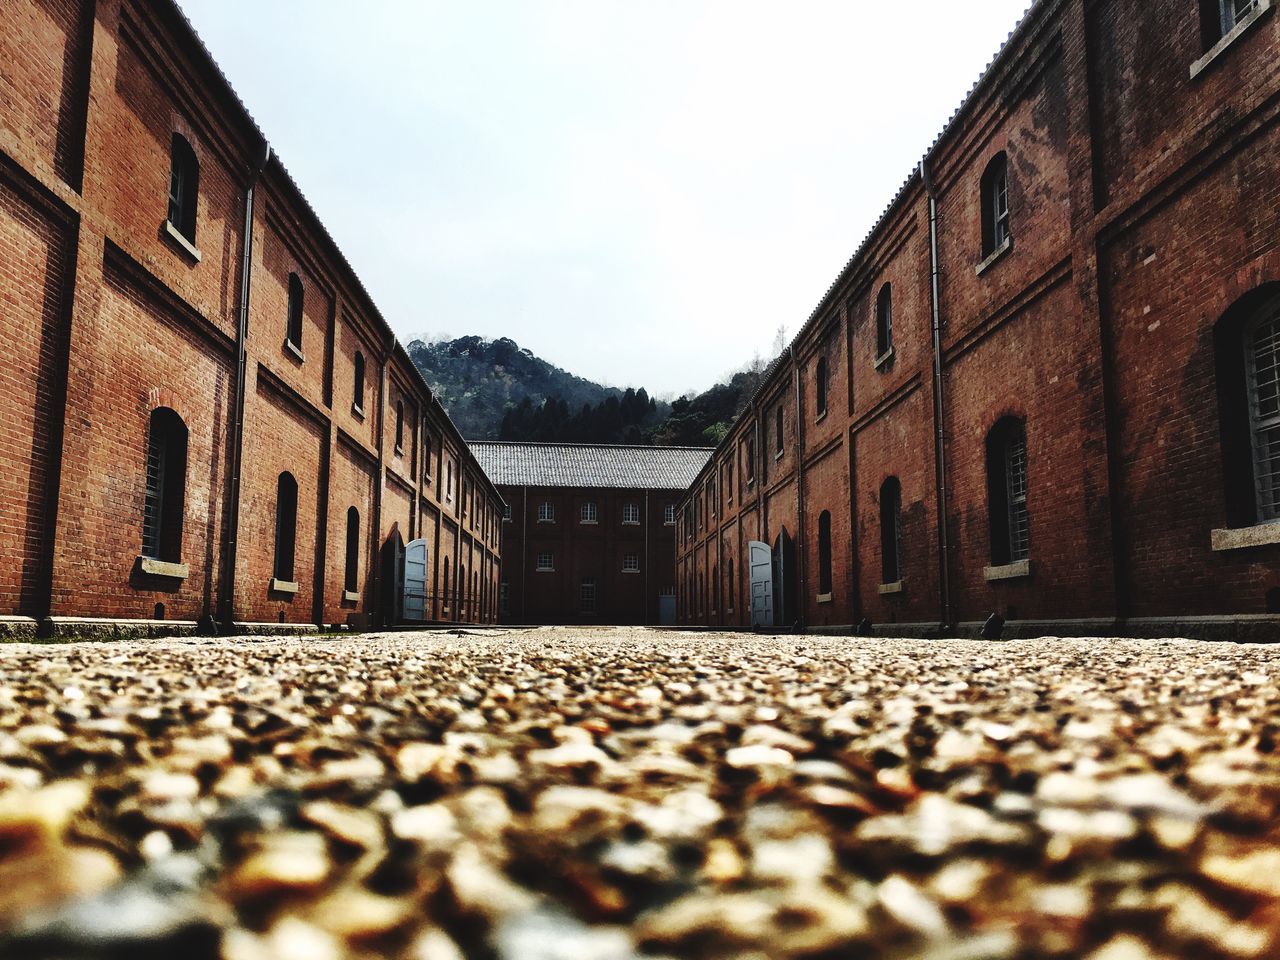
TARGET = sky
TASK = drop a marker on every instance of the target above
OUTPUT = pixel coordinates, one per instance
(641, 192)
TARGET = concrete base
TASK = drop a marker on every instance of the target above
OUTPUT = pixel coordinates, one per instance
(19, 628)
(273, 629)
(99, 628)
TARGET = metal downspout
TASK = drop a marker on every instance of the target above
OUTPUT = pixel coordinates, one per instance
(645, 605)
(939, 403)
(802, 540)
(229, 551)
(524, 559)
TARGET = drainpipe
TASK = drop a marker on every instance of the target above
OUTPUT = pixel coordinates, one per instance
(645, 604)
(939, 403)
(801, 539)
(237, 420)
(524, 558)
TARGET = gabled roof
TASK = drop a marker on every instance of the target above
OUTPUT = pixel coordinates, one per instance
(585, 465)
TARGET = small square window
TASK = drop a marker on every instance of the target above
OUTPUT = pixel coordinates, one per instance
(631, 563)
(546, 512)
(631, 513)
(546, 562)
(588, 513)
(587, 595)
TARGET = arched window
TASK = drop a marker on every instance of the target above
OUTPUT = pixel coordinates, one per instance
(1007, 492)
(995, 205)
(891, 531)
(444, 590)
(731, 588)
(294, 330)
(463, 590)
(399, 426)
(1247, 345)
(286, 526)
(824, 554)
(778, 439)
(164, 504)
(357, 385)
(184, 187)
(819, 390)
(715, 588)
(884, 322)
(351, 579)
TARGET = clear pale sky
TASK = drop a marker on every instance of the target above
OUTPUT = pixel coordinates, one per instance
(641, 192)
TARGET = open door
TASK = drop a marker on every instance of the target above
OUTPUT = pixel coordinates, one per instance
(784, 580)
(415, 581)
(393, 579)
(761, 560)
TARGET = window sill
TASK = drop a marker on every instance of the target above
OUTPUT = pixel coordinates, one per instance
(820, 417)
(399, 450)
(885, 360)
(631, 523)
(585, 523)
(160, 568)
(185, 245)
(545, 570)
(283, 586)
(778, 455)
(891, 589)
(547, 522)
(295, 351)
(824, 598)
(630, 573)
(1241, 28)
(1243, 538)
(669, 523)
(1009, 571)
(994, 257)
(357, 411)
(350, 596)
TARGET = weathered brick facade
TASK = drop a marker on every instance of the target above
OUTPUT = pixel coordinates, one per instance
(602, 518)
(1142, 182)
(109, 314)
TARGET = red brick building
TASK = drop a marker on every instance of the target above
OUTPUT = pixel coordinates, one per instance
(589, 534)
(1046, 385)
(207, 416)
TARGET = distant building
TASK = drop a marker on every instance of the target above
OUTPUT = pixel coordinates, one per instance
(206, 415)
(589, 535)
(1047, 385)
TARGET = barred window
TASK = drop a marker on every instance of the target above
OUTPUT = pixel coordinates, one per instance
(164, 503)
(546, 562)
(546, 512)
(884, 321)
(587, 595)
(631, 563)
(1262, 363)
(184, 187)
(293, 326)
(631, 513)
(891, 531)
(1010, 518)
(286, 526)
(995, 205)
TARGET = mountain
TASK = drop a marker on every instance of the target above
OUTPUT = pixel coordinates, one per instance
(496, 390)
(479, 380)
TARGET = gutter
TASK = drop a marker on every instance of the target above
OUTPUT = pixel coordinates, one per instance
(939, 403)
(229, 549)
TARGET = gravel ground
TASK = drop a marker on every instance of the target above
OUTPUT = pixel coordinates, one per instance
(606, 794)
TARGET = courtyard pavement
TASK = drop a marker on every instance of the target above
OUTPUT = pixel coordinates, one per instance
(569, 794)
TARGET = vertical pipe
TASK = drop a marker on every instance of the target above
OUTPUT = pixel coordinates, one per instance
(939, 404)
(230, 548)
(801, 540)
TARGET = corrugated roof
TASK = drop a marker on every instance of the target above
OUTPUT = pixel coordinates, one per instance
(585, 465)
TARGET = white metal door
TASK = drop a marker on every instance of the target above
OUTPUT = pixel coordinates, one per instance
(415, 581)
(761, 584)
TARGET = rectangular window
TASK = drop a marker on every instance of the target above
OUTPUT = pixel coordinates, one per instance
(631, 563)
(1233, 12)
(546, 512)
(1263, 378)
(1019, 519)
(669, 515)
(546, 562)
(631, 514)
(751, 460)
(587, 595)
(506, 513)
(588, 513)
